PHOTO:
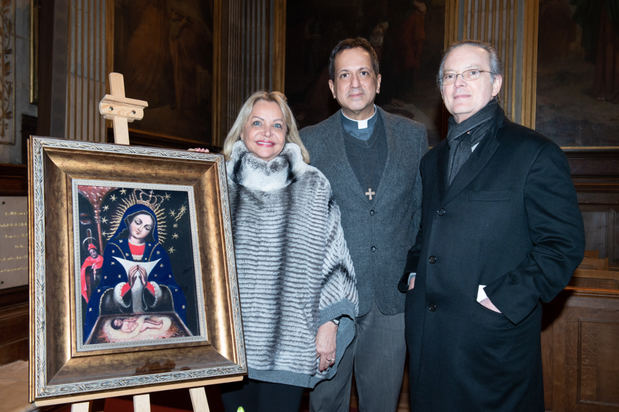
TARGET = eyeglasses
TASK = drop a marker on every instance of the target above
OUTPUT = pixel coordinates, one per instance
(468, 75)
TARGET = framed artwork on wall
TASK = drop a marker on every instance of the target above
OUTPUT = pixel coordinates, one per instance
(165, 50)
(132, 274)
(577, 73)
(408, 37)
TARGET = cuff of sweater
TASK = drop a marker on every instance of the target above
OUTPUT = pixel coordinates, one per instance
(343, 308)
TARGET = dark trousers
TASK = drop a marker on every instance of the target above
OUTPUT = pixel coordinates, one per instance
(257, 396)
(377, 357)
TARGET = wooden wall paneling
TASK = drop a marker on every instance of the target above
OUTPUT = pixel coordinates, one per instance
(550, 350)
(14, 322)
(595, 173)
(583, 363)
(13, 180)
(601, 230)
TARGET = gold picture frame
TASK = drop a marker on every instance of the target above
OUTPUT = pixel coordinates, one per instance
(75, 187)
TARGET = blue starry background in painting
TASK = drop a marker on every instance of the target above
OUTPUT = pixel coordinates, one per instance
(172, 208)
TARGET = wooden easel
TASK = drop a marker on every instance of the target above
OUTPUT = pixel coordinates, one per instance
(122, 110)
(141, 403)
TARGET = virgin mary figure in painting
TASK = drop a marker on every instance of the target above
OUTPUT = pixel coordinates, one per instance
(136, 274)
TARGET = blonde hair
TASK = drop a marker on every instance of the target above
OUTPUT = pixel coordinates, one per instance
(292, 133)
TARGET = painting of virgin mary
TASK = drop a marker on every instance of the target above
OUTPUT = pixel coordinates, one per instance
(136, 276)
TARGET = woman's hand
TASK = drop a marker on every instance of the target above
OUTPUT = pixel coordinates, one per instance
(199, 149)
(325, 344)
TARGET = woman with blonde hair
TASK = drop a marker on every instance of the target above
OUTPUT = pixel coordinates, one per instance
(278, 98)
(296, 279)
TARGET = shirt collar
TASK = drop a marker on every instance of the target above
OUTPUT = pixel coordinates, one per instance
(360, 129)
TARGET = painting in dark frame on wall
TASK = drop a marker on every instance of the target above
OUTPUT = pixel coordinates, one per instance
(407, 35)
(164, 49)
(578, 73)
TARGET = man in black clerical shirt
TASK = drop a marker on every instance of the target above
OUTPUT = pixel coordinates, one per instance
(371, 159)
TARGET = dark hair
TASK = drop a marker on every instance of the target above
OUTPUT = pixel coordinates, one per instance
(496, 67)
(117, 326)
(352, 44)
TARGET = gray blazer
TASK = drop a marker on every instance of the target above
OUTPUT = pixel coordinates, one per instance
(379, 232)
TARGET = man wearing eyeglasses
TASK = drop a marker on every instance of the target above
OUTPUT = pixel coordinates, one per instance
(501, 233)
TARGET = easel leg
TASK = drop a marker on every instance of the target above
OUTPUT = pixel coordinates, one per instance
(80, 407)
(198, 399)
(141, 403)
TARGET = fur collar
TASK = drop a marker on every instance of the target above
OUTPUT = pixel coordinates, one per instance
(247, 170)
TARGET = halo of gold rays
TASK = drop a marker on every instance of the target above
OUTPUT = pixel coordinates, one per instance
(147, 198)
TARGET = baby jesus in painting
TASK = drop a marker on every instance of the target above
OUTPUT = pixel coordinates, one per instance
(130, 324)
(138, 328)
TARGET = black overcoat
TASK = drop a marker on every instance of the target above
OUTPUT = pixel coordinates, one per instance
(510, 221)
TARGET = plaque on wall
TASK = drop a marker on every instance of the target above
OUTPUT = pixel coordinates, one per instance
(13, 241)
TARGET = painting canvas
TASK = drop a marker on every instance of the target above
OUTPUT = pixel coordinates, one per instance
(578, 72)
(137, 264)
(407, 36)
(132, 276)
(164, 49)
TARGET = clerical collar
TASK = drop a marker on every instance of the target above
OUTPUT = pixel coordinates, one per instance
(359, 129)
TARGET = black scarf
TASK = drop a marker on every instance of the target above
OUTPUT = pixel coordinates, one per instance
(462, 137)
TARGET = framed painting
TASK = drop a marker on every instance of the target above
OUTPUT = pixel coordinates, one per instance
(408, 38)
(132, 273)
(165, 51)
(577, 73)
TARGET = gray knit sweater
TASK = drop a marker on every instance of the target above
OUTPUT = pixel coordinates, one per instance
(294, 269)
